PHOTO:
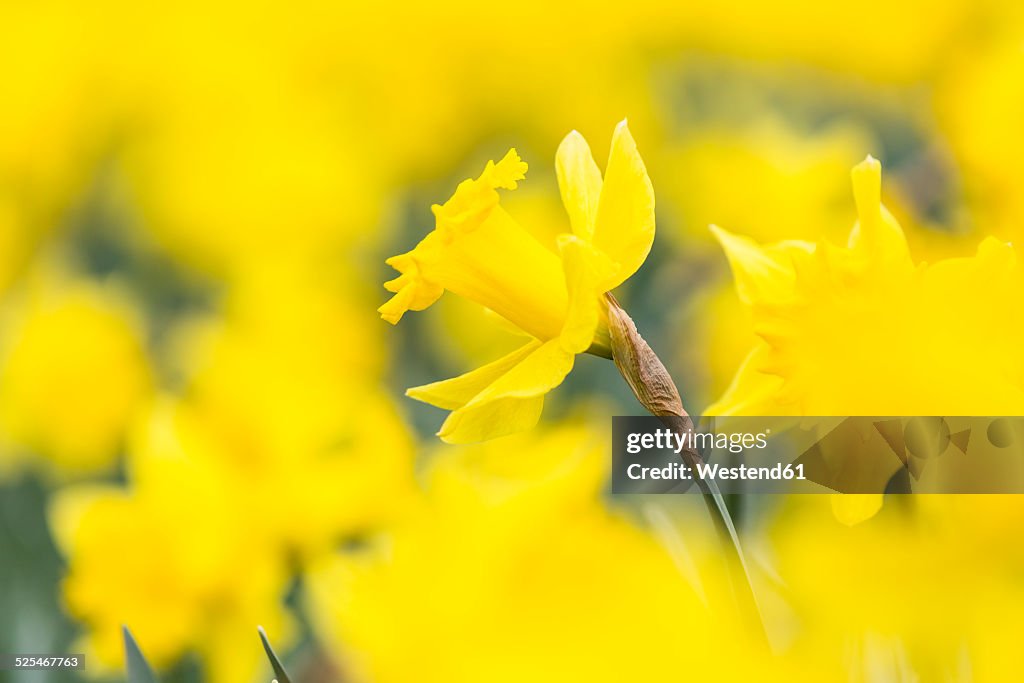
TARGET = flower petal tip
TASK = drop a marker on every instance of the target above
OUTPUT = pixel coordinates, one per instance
(867, 175)
(730, 242)
(507, 173)
(391, 312)
(867, 189)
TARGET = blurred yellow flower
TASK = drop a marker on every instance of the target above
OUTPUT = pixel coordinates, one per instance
(53, 124)
(980, 102)
(256, 179)
(861, 330)
(514, 570)
(280, 446)
(287, 383)
(794, 182)
(178, 558)
(913, 38)
(479, 252)
(879, 596)
(73, 372)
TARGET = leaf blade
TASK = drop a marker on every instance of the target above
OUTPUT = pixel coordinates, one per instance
(282, 675)
(138, 669)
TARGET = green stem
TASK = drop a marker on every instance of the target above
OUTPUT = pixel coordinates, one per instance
(657, 392)
(739, 573)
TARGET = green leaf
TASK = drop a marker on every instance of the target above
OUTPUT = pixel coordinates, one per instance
(282, 675)
(139, 670)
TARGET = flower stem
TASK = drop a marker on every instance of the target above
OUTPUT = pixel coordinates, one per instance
(654, 388)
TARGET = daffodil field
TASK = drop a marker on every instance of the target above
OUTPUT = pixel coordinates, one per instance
(314, 317)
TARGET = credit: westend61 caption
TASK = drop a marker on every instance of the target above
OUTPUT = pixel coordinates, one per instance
(744, 455)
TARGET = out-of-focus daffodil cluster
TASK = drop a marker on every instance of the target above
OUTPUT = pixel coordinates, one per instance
(895, 615)
(194, 203)
(240, 473)
(504, 558)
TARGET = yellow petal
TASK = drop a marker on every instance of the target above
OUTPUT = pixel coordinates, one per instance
(877, 233)
(854, 508)
(763, 274)
(993, 262)
(412, 291)
(514, 401)
(579, 181)
(71, 505)
(474, 199)
(507, 173)
(624, 225)
(492, 420)
(585, 267)
(752, 391)
(458, 391)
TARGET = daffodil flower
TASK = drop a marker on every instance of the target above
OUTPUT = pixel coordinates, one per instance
(478, 251)
(864, 330)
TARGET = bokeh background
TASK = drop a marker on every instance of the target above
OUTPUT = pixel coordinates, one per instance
(202, 425)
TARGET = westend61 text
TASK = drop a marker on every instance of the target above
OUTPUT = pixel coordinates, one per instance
(707, 472)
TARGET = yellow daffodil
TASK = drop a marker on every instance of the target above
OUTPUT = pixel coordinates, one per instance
(478, 251)
(529, 576)
(794, 180)
(177, 557)
(935, 633)
(979, 104)
(862, 330)
(279, 446)
(318, 450)
(73, 373)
